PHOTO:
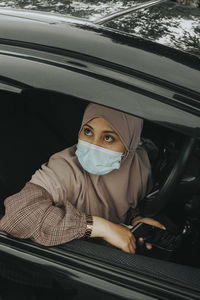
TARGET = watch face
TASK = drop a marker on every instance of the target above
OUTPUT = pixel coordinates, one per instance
(90, 226)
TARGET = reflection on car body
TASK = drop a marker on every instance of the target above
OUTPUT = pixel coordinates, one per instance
(51, 67)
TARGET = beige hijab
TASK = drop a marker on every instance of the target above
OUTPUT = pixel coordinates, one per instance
(108, 196)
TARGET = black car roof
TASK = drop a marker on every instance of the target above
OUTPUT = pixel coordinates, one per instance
(34, 29)
(173, 23)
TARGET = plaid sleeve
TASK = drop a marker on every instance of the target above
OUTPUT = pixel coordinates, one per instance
(31, 213)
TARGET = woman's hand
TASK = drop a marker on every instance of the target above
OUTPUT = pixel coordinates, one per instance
(147, 221)
(150, 222)
(116, 235)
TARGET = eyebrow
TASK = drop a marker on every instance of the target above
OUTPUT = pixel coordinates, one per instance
(88, 126)
(106, 131)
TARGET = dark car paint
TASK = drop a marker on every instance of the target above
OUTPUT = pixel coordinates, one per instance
(139, 62)
(102, 70)
(139, 96)
(70, 268)
(73, 269)
(107, 44)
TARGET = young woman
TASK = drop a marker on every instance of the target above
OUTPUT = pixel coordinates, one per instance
(86, 190)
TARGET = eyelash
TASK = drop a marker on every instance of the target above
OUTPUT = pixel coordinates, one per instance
(109, 136)
(88, 132)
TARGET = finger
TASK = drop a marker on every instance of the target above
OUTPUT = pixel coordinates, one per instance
(161, 226)
(158, 224)
(141, 241)
(132, 248)
(129, 249)
(133, 238)
(148, 246)
(133, 243)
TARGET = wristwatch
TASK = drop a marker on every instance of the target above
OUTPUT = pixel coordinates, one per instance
(89, 227)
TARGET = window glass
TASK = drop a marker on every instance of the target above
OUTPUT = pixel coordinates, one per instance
(88, 9)
(168, 23)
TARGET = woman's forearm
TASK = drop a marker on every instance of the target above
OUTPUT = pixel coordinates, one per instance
(32, 214)
(100, 227)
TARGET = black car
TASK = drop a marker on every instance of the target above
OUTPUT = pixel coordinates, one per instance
(51, 66)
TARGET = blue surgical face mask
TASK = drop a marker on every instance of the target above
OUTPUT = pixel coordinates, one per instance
(97, 160)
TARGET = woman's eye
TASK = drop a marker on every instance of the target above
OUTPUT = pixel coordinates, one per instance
(87, 132)
(109, 138)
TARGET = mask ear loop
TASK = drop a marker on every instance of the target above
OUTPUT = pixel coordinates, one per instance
(127, 152)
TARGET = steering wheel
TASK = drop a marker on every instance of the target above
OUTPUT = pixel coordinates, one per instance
(154, 202)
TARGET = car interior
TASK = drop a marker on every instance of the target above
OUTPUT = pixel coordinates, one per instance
(37, 123)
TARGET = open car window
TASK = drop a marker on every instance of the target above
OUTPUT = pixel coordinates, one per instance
(38, 123)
